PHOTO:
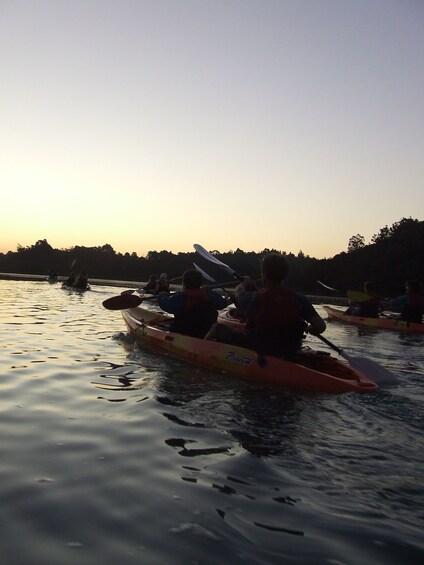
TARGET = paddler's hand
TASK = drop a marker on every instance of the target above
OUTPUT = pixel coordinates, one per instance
(316, 326)
(248, 285)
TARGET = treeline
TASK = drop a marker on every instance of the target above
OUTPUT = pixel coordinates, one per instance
(394, 255)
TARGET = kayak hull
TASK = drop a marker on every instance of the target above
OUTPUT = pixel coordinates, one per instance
(379, 323)
(312, 370)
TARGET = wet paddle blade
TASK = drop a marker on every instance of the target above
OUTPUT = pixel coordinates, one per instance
(358, 296)
(328, 287)
(209, 257)
(204, 274)
(122, 302)
(371, 369)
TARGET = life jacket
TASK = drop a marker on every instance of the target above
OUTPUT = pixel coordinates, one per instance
(198, 315)
(368, 308)
(414, 310)
(151, 286)
(277, 328)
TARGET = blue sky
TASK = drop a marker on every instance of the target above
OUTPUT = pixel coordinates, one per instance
(252, 124)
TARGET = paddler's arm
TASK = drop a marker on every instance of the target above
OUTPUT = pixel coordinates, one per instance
(219, 301)
(316, 324)
(171, 303)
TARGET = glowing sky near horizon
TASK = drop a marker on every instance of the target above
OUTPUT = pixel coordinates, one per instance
(252, 124)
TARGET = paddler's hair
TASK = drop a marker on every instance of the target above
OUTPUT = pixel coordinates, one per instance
(192, 279)
(275, 267)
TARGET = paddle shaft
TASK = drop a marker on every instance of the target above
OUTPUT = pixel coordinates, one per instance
(329, 343)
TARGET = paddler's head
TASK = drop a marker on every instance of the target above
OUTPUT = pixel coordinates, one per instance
(274, 268)
(192, 279)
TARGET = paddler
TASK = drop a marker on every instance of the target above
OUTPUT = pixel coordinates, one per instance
(277, 317)
(162, 284)
(195, 308)
(369, 306)
(412, 303)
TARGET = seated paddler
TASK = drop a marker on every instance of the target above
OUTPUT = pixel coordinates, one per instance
(369, 306)
(195, 308)
(411, 303)
(277, 317)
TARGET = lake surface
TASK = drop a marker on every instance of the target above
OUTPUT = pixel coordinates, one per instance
(110, 454)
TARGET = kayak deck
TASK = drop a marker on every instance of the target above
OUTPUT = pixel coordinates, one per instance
(311, 369)
(379, 323)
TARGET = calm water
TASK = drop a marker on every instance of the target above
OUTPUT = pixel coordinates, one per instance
(110, 454)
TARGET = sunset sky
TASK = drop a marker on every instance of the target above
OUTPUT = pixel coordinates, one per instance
(252, 124)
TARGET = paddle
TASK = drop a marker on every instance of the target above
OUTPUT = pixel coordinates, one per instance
(352, 295)
(358, 296)
(204, 274)
(328, 287)
(125, 300)
(209, 257)
(367, 367)
(141, 290)
(122, 302)
(212, 280)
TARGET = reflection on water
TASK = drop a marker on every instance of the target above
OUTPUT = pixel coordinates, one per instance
(111, 454)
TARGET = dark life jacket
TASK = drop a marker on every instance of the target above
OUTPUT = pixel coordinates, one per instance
(151, 286)
(278, 327)
(414, 310)
(368, 308)
(198, 315)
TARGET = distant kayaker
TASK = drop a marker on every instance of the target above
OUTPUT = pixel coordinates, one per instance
(151, 285)
(368, 307)
(412, 303)
(195, 308)
(277, 317)
(70, 280)
(81, 281)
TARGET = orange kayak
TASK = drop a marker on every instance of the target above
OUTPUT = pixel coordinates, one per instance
(311, 369)
(379, 323)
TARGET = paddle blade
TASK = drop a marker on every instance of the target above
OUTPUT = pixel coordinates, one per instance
(358, 296)
(204, 274)
(371, 369)
(206, 255)
(328, 287)
(122, 302)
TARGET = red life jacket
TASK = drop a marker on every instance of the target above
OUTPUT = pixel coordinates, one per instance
(198, 315)
(413, 312)
(368, 308)
(278, 327)
(194, 296)
(278, 309)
